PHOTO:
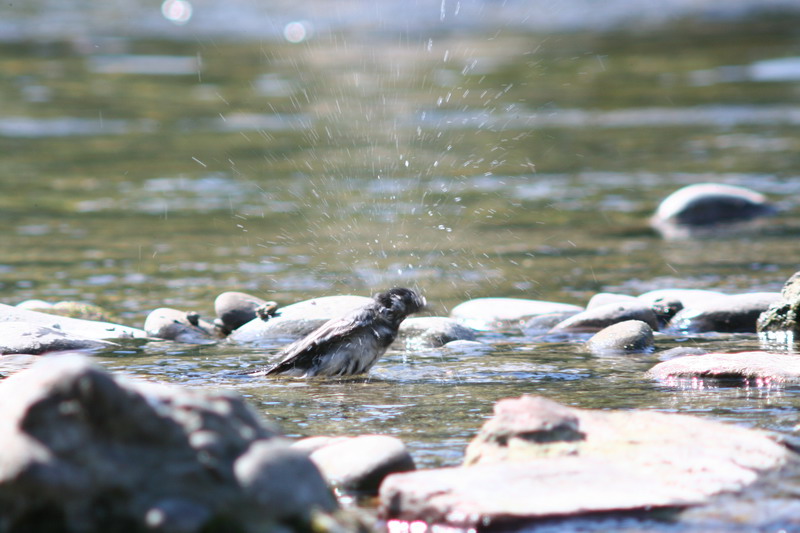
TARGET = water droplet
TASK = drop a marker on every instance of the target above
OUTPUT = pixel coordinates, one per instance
(177, 11)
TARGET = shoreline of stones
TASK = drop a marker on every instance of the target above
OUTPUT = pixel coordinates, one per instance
(82, 446)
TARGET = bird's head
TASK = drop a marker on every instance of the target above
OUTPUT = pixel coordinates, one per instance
(401, 301)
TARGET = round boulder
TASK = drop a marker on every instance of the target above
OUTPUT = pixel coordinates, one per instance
(630, 336)
(359, 464)
(708, 208)
(783, 316)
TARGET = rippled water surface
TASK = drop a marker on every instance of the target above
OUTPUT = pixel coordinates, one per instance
(151, 164)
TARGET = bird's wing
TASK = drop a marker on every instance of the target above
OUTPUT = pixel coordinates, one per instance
(304, 352)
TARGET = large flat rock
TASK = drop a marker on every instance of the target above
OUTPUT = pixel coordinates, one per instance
(538, 459)
(85, 328)
(742, 366)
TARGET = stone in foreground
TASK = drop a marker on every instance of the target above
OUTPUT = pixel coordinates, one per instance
(538, 459)
(763, 367)
(87, 451)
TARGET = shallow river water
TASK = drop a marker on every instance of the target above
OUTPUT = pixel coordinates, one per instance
(146, 164)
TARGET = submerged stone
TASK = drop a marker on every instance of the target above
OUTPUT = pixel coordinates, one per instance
(707, 209)
(744, 368)
(538, 459)
(630, 336)
(485, 314)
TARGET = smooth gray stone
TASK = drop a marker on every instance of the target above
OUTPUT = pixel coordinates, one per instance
(742, 367)
(297, 320)
(727, 314)
(75, 326)
(24, 338)
(432, 332)
(74, 435)
(707, 209)
(268, 467)
(235, 309)
(485, 314)
(593, 320)
(537, 459)
(359, 464)
(630, 336)
(175, 325)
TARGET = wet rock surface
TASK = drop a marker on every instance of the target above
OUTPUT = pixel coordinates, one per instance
(359, 464)
(739, 368)
(630, 336)
(86, 451)
(737, 313)
(235, 309)
(432, 332)
(296, 320)
(537, 459)
(490, 313)
(85, 328)
(24, 338)
(597, 318)
(179, 326)
(706, 209)
(782, 315)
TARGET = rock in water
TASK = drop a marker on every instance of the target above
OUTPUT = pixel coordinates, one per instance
(706, 209)
(538, 459)
(492, 313)
(84, 450)
(781, 321)
(631, 336)
(744, 368)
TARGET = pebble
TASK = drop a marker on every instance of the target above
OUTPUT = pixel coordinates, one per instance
(737, 313)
